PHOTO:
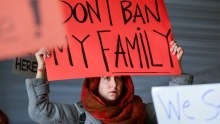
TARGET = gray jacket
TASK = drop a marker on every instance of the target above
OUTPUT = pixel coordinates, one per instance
(42, 111)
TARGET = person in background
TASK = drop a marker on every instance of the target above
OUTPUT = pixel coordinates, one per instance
(104, 100)
(3, 118)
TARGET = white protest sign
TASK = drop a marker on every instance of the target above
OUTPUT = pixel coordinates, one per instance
(195, 104)
(26, 65)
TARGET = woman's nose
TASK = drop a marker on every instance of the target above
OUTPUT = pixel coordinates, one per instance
(113, 83)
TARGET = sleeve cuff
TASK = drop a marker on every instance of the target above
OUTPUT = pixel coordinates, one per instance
(36, 81)
(183, 79)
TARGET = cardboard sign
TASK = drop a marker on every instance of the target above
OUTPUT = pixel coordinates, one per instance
(114, 37)
(196, 104)
(26, 66)
(27, 25)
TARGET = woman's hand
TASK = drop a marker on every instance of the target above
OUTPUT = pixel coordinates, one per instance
(176, 50)
(40, 56)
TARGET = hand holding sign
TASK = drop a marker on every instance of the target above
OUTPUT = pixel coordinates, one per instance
(176, 50)
(41, 55)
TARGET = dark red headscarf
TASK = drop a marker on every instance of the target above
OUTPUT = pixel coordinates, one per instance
(128, 109)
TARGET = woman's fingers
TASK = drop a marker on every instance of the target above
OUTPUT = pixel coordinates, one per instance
(47, 52)
(44, 52)
(176, 50)
(41, 55)
(180, 53)
(173, 45)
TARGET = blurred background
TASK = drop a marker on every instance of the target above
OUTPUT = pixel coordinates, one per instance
(196, 27)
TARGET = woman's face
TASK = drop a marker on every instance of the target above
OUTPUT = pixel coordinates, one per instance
(110, 88)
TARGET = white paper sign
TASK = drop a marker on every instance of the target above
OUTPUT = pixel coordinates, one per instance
(195, 104)
(26, 65)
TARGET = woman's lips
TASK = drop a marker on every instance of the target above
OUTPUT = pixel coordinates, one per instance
(113, 92)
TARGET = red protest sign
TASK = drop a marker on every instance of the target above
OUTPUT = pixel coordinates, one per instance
(114, 37)
(27, 25)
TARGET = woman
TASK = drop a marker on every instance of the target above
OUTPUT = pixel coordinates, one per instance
(103, 99)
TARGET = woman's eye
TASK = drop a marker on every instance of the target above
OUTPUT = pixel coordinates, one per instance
(107, 78)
